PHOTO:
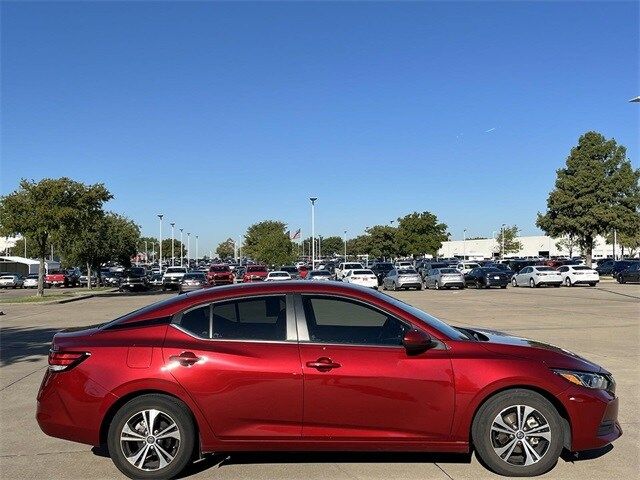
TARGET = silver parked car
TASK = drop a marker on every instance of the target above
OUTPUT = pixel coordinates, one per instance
(398, 279)
(444, 278)
(192, 281)
(12, 280)
(319, 275)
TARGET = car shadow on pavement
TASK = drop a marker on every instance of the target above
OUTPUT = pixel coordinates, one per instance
(253, 458)
(25, 344)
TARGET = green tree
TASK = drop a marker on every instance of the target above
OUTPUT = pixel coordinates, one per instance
(42, 211)
(166, 249)
(123, 238)
(420, 233)
(568, 242)
(268, 242)
(333, 245)
(382, 241)
(506, 241)
(594, 193)
(32, 249)
(226, 249)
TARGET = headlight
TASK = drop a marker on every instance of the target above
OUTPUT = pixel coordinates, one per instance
(589, 380)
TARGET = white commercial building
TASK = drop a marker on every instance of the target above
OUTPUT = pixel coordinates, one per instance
(25, 266)
(533, 246)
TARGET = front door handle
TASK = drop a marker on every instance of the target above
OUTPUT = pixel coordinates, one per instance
(323, 364)
(185, 359)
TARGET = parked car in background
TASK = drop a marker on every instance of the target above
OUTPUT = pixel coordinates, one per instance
(83, 280)
(57, 278)
(578, 275)
(486, 277)
(255, 273)
(342, 268)
(31, 281)
(292, 270)
(12, 280)
(605, 266)
(238, 273)
(630, 275)
(277, 276)
(220, 274)
(365, 278)
(381, 269)
(192, 281)
(536, 276)
(398, 279)
(428, 266)
(112, 279)
(154, 281)
(74, 274)
(172, 277)
(364, 363)
(134, 279)
(403, 264)
(620, 266)
(319, 275)
(443, 277)
(303, 271)
(466, 267)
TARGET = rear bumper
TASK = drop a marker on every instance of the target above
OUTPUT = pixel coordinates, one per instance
(409, 285)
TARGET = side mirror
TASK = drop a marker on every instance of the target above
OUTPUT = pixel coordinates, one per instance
(415, 342)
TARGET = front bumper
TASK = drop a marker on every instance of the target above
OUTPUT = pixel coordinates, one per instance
(221, 280)
(593, 416)
(501, 282)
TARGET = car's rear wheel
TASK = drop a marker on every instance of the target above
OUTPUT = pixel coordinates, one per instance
(514, 282)
(436, 285)
(518, 433)
(152, 436)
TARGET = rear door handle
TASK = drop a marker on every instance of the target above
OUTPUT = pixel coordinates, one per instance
(185, 359)
(323, 364)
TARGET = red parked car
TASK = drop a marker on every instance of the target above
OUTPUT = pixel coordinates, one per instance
(220, 274)
(317, 366)
(255, 273)
(303, 271)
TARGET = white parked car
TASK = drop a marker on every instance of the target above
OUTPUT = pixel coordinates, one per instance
(364, 277)
(31, 281)
(466, 267)
(319, 275)
(403, 265)
(11, 281)
(173, 277)
(277, 276)
(343, 268)
(578, 275)
(535, 276)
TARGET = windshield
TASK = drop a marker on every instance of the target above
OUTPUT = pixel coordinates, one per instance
(545, 269)
(407, 271)
(581, 268)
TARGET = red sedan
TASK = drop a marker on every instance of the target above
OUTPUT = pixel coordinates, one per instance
(317, 366)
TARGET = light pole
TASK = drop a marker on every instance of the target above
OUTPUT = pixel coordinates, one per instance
(153, 251)
(146, 253)
(173, 255)
(196, 251)
(160, 215)
(464, 244)
(313, 231)
(188, 248)
(181, 247)
(345, 245)
(502, 230)
(24, 239)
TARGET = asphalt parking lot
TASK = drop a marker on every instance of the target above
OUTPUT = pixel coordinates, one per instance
(602, 324)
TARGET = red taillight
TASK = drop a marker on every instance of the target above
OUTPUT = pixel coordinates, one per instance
(61, 361)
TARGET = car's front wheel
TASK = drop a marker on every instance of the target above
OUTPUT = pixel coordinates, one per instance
(514, 282)
(532, 283)
(567, 282)
(518, 433)
(151, 437)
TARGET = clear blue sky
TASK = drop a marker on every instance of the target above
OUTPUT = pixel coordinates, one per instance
(223, 114)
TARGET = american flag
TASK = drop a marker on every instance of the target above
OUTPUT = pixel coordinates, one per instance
(296, 235)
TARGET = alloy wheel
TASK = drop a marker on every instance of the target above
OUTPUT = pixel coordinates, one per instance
(520, 435)
(150, 440)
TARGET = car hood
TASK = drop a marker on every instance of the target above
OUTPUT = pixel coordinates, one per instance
(553, 356)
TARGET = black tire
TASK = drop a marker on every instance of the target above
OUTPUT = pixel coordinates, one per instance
(503, 286)
(592, 284)
(532, 283)
(567, 282)
(177, 411)
(482, 436)
(419, 288)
